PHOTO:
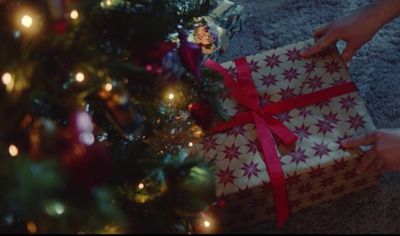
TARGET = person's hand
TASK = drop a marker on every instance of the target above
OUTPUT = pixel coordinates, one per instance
(355, 30)
(384, 154)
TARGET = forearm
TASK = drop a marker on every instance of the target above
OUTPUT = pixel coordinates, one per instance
(384, 10)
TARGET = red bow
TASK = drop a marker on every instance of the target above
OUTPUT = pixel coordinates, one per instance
(245, 93)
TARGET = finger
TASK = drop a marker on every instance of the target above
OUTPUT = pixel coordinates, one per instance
(359, 141)
(348, 53)
(366, 161)
(321, 44)
(377, 165)
(320, 31)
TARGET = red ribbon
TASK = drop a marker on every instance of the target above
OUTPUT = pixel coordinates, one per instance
(245, 93)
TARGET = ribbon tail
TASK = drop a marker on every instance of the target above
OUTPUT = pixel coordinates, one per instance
(280, 130)
(310, 98)
(274, 168)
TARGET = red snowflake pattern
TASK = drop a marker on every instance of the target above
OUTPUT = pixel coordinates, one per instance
(231, 152)
(209, 143)
(302, 132)
(315, 82)
(310, 66)
(324, 126)
(332, 67)
(290, 74)
(347, 102)
(321, 150)
(316, 172)
(254, 66)
(328, 181)
(356, 122)
(273, 61)
(293, 55)
(339, 165)
(226, 176)
(293, 179)
(287, 93)
(268, 80)
(253, 146)
(250, 169)
(298, 156)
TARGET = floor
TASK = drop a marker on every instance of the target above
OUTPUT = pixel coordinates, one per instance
(376, 71)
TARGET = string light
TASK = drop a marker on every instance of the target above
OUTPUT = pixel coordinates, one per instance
(108, 87)
(13, 150)
(171, 96)
(191, 144)
(27, 21)
(79, 77)
(6, 78)
(106, 3)
(31, 227)
(141, 186)
(74, 14)
(206, 223)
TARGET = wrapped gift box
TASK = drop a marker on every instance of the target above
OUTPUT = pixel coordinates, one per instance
(313, 98)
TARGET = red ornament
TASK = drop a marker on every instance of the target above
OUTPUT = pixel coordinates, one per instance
(202, 113)
(190, 55)
(161, 50)
(221, 204)
(86, 162)
(58, 10)
(87, 166)
(60, 27)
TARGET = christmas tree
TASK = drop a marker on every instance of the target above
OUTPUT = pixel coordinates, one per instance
(99, 112)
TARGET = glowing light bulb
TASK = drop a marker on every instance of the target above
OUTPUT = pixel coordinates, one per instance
(13, 150)
(191, 144)
(207, 223)
(171, 96)
(106, 3)
(26, 21)
(108, 87)
(141, 186)
(74, 14)
(79, 77)
(6, 78)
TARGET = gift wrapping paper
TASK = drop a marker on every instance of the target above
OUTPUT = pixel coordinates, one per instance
(315, 167)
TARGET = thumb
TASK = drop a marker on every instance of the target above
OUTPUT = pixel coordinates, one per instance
(348, 52)
(321, 44)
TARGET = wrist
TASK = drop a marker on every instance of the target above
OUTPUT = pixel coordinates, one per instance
(384, 11)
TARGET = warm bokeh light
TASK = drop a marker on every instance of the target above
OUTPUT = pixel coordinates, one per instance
(26, 21)
(141, 186)
(207, 224)
(80, 77)
(108, 87)
(13, 150)
(74, 14)
(31, 227)
(7, 78)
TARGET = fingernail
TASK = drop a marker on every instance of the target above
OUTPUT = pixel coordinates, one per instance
(303, 53)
